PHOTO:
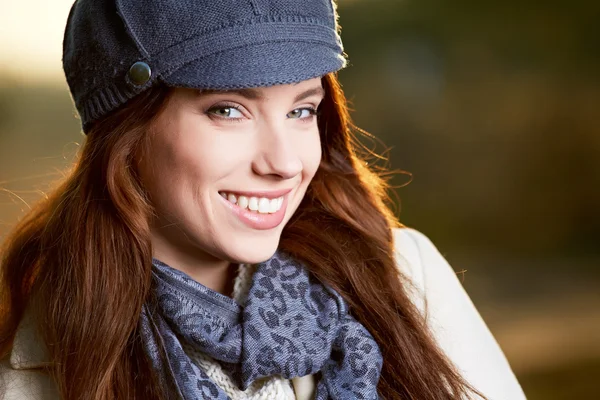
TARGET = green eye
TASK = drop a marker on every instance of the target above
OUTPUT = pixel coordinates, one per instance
(301, 113)
(222, 112)
(226, 112)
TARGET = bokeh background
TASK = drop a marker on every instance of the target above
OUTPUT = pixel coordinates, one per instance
(492, 106)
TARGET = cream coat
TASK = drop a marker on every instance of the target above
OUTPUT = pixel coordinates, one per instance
(437, 292)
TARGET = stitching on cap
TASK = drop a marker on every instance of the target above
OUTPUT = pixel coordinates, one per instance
(170, 71)
(255, 7)
(262, 19)
(262, 83)
(133, 35)
(167, 67)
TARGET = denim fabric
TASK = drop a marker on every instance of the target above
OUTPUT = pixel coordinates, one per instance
(203, 44)
(290, 325)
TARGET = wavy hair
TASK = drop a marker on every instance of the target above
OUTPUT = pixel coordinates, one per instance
(80, 262)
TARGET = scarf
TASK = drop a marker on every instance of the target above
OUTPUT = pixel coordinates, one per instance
(289, 325)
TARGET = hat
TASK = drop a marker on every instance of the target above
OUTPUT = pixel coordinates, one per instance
(115, 49)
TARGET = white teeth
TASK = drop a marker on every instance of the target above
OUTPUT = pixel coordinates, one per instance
(273, 206)
(243, 202)
(253, 204)
(264, 205)
(261, 205)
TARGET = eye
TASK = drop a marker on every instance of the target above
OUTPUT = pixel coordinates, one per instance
(226, 112)
(302, 113)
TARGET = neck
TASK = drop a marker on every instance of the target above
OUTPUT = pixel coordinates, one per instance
(214, 273)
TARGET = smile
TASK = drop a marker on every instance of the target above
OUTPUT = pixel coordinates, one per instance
(257, 210)
(263, 205)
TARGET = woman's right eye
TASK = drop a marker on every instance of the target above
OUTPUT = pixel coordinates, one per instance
(226, 112)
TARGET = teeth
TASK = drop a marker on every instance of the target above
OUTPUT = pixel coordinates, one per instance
(261, 205)
(273, 205)
(253, 204)
(243, 202)
(264, 205)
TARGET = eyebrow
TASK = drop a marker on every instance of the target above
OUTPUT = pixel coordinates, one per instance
(316, 91)
(256, 94)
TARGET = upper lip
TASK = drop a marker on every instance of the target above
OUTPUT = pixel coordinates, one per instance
(259, 193)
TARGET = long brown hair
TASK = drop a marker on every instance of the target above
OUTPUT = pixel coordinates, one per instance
(80, 262)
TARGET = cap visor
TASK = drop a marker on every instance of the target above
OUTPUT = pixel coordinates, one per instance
(265, 64)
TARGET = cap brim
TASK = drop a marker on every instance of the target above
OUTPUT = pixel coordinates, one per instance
(265, 64)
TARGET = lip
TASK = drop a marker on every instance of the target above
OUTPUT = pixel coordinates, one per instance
(256, 220)
(271, 194)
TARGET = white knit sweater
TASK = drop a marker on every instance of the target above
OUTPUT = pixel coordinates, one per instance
(270, 388)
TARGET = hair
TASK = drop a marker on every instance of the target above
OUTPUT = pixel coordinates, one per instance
(80, 262)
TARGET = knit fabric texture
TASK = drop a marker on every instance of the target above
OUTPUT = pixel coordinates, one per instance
(204, 44)
(290, 325)
(269, 388)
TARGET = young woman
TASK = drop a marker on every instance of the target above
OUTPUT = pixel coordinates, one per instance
(220, 236)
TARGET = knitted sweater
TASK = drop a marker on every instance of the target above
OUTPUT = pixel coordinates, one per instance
(274, 387)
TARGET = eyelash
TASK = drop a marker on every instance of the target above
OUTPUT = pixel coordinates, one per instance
(312, 112)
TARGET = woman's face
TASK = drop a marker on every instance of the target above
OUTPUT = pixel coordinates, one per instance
(226, 170)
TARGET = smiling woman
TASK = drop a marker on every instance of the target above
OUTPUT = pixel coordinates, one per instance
(255, 147)
(220, 236)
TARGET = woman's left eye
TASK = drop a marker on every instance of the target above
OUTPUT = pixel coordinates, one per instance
(302, 113)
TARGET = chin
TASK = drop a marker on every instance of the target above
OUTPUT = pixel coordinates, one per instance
(253, 252)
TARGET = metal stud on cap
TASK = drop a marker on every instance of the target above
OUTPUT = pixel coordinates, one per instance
(139, 73)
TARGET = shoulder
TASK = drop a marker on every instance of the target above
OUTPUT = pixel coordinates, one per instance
(437, 290)
(452, 318)
(25, 384)
(412, 249)
(413, 252)
(22, 373)
(435, 287)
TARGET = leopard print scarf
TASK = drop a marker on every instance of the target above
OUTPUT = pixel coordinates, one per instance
(289, 325)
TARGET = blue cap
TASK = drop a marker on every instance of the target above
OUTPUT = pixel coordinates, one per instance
(115, 49)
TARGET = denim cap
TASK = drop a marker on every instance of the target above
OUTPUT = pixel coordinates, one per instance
(115, 49)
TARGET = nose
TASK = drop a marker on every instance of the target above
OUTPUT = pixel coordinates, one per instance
(277, 155)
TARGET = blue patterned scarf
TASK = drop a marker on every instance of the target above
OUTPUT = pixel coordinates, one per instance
(290, 325)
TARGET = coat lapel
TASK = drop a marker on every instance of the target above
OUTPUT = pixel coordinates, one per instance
(28, 351)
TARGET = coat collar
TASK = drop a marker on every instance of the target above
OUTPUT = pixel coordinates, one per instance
(28, 350)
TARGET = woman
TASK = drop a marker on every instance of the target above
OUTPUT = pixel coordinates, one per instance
(220, 236)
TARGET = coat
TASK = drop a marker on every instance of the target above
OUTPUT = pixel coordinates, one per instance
(438, 294)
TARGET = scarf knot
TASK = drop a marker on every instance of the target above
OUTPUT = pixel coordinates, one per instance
(289, 325)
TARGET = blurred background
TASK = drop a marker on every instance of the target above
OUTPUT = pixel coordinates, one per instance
(492, 106)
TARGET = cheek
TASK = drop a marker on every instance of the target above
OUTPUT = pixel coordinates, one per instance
(196, 157)
(175, 171)
(310, 153)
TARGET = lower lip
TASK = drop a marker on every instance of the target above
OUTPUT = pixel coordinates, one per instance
(256, 220)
